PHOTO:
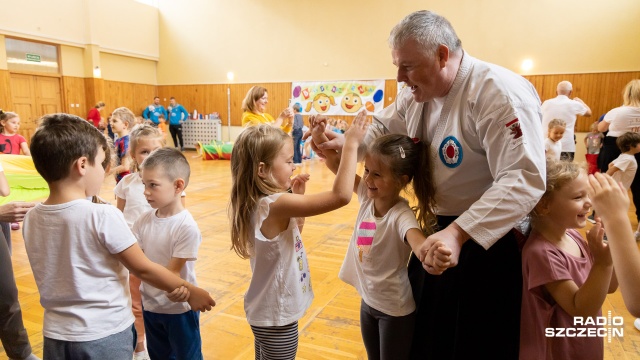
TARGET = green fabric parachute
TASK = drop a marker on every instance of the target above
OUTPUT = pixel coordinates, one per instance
(215, 150)
(24, 181)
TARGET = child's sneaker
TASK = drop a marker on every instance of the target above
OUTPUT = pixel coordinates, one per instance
(637, 324)
(591, 218)
(637, 234)
(15, 226)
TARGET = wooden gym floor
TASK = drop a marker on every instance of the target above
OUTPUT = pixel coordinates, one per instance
(329, 330)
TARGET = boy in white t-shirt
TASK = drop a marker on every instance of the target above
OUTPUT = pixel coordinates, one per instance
(169, 236)
(623, 169)
(80, 251)
(552, 144)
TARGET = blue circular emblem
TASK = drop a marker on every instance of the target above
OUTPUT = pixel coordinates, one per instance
(450, 152)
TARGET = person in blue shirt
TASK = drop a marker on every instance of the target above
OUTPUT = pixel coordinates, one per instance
(154, 110)
(177, 115)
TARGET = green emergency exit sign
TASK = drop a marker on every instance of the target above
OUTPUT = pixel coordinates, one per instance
(33, 57)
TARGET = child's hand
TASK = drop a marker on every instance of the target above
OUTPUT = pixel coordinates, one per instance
(608, 197)
(200, 300)
(358, 129)
(440, 258)
(180, 294)
(318, 126)
(599, 248)
(299, 183)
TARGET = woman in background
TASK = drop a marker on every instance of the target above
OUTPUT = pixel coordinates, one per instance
(254, 106)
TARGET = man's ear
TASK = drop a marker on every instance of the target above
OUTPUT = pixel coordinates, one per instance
(262, 170)
(443, 55)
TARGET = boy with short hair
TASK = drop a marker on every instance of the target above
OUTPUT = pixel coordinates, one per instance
(169, 236)
(623, 169)
(77, 249)
(122, 120)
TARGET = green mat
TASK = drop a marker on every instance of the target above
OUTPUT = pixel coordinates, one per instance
(24, 181)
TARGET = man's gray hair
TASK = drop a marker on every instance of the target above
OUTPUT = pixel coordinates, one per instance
(564, 87)
(428, 29)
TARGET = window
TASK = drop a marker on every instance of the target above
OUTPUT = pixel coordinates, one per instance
(30, 56)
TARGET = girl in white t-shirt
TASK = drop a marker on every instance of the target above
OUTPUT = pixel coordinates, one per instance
(386, 232)
(144, 139)
(266, 222)
(553, 143)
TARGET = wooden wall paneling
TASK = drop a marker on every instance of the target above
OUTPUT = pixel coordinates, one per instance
(143, 95)
(600, 91)
(73, 89)
(390, 91)
(133, 96)
(94, 90)
(5, 90)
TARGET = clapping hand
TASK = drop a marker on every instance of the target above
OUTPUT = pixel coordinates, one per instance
(597, 246)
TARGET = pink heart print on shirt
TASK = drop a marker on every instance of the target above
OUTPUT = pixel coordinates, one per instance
(365, 233)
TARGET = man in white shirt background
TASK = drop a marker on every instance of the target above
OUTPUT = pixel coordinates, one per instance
(564, 108)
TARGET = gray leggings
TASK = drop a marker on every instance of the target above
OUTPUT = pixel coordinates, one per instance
(386, 337)
(6, 230)
(12, 332)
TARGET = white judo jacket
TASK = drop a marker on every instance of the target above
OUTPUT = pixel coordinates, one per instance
(487, 152)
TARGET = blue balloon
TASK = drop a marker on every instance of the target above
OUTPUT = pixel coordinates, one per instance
(377, 97)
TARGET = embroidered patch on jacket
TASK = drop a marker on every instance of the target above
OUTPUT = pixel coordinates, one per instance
(451, 152)
(514, 126)
(513, 131)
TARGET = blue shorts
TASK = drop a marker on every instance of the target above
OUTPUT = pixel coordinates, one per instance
(173, 336)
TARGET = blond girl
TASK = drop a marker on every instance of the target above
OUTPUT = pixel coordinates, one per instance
(266, 224)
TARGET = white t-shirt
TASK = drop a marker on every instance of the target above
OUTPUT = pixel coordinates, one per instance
(563, 108)
(623, 119)
(131, 189)
(628, 167)
(376, 260)
(84, 289)
(280, 289)
(161, 239)
(552, 149)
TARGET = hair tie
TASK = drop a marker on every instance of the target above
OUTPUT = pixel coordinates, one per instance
(415, 140)
(402, 154)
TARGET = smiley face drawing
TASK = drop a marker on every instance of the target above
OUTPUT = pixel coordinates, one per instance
(321, 103)
(351, 102)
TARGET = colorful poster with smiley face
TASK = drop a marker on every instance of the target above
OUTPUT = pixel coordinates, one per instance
(345, 98)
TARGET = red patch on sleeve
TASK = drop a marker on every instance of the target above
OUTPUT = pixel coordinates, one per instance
(514, 126)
